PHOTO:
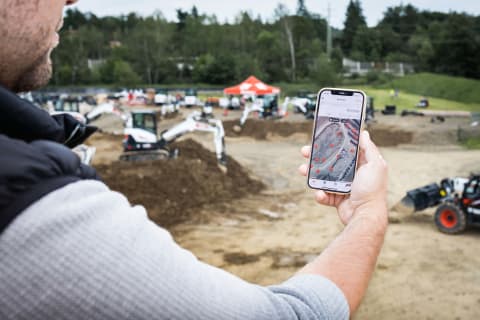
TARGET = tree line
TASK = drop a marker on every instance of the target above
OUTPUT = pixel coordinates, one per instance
(197, 48)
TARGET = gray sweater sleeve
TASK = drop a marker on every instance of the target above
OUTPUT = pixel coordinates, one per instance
(83, 252)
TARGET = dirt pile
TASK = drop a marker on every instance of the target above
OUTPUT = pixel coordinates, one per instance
(383, 135)
(172, 191)
(109, 147)
(261, 129)
(388, 136)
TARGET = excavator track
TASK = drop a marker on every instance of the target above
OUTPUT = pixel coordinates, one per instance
(137, 156)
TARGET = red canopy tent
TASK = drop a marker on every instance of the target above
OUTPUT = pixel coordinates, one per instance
(252, 86)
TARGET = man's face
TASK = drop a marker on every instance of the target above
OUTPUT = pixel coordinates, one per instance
(29, 34)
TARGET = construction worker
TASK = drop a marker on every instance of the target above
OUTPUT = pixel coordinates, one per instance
(71, 248)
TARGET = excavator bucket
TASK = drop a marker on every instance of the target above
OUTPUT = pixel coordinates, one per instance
(423, 197)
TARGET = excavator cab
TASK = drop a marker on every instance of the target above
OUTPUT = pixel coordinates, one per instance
(145, 120)
(141, 142)
(191, 92)
(471, 196)
(68, 104)
(270, 105)
(191, 98)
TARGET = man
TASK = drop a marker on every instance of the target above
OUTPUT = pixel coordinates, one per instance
(100, 258)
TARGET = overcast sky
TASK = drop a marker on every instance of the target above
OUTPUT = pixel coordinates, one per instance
(224, 9)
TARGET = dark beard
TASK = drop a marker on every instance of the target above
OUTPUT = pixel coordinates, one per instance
(37, 76)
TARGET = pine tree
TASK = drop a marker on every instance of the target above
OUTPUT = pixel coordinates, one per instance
(302, 9)
(354, 20)
(194, 12)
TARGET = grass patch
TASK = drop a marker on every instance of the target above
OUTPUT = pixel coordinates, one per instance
(439, 86)
(471, 143)
(291, 89)
(407, 100)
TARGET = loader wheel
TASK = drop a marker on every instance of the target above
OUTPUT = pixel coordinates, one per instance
(450, 219)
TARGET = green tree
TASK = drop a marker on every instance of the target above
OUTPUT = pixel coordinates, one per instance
(421, 46)
(354, 20)
(390, 40)
(124, 75)
(302, 9)
(323, 72)
(246, 66)
(366, 44)
(202, 67)
(456, 47)
(197, 47)
(269, 56)
(403, 20)
(215, 70)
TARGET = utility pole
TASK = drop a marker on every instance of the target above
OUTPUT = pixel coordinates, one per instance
(329, 33)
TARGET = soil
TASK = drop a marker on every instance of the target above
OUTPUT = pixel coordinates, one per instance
(262, 129)
(386, 136)
(174, 190)
(264, 235)
(383, 135)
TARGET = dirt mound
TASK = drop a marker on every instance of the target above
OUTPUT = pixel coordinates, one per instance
(173, 190)
(383, 135)
(109, 147)
(387, 136)
(261, 129)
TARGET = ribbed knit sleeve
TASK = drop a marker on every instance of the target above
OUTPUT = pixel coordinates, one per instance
(83, 252)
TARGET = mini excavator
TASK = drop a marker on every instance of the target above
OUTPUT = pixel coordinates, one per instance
(141, 140)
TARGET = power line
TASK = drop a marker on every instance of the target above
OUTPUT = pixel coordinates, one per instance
(329, 33)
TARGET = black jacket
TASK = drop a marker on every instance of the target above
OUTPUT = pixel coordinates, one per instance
(35, 158)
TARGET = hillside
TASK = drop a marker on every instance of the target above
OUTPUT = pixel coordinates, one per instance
(439, 86)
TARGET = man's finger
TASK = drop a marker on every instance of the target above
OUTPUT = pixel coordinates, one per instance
(369, 149)
(303, 170)
(306, 151)
(361, 158)
(322, 198)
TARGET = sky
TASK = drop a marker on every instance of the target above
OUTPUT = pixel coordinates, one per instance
(227, 10)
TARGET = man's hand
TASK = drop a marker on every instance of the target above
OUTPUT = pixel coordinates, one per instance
(369, 188)
(350, 259)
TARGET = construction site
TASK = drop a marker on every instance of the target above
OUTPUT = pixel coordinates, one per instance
(240, 129)
(240, 204)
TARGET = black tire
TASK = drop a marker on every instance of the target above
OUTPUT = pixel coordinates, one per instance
(450, 219)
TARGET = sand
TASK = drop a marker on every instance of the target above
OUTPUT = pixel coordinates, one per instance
(265, 235)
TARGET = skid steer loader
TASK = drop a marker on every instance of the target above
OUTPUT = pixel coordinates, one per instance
(458, 201)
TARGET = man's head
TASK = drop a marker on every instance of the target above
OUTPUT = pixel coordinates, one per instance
(28, 30)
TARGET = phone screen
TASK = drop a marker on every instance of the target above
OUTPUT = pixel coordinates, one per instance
(336, 136)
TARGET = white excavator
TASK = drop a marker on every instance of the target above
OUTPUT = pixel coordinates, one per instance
(191, 98)
(141, 140)
(304, 102)
(266, 107)
(83, 112)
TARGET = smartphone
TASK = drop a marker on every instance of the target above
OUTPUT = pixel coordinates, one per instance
(339, 118)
